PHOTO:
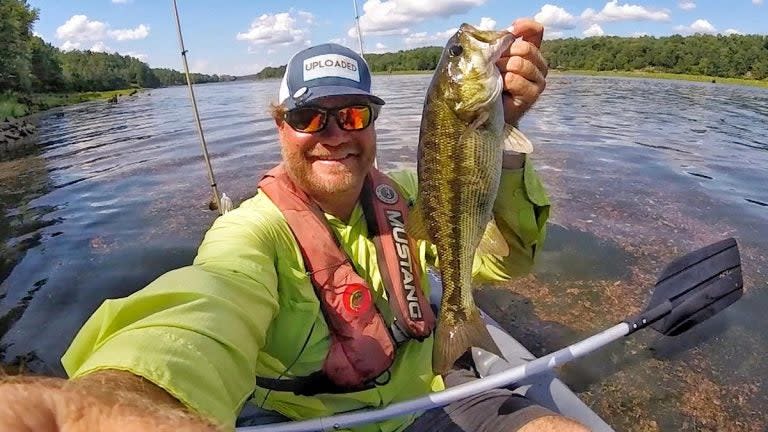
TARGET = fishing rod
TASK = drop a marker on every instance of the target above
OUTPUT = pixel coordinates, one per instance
(223, 204)
(362, 52)
(359, 33)
(689, 290)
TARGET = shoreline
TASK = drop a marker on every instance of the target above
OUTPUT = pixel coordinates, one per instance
(17, 131)
(664, 75)
(625, 74)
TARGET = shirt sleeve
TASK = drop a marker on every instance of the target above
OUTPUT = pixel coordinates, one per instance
(521, 211)
(196, 331)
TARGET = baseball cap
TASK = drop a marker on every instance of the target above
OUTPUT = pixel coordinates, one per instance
(325, 70)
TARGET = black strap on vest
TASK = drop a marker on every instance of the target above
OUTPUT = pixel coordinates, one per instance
(312, 384)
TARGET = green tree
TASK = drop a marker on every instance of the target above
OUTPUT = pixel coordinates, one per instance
(16, 18)
(44, 64)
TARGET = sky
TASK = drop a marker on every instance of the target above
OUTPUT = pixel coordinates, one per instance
(240, 37)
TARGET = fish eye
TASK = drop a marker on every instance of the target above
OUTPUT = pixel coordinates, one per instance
(456, 50)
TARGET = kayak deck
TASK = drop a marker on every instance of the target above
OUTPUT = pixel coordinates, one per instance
(544, 389)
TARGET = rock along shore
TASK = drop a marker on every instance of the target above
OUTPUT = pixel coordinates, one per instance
(16, 136)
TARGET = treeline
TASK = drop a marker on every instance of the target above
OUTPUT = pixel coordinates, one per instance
(409, 60)
(28, 64)
(734, 56)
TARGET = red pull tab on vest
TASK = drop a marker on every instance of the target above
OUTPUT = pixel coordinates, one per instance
(357, 298)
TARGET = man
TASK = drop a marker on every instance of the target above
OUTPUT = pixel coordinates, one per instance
(182, 353)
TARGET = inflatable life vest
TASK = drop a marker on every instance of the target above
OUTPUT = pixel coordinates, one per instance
(362, 345)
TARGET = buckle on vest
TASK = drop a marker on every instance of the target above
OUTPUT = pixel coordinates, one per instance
(398, 334)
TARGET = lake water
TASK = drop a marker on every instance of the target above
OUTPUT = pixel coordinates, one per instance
(639, 172)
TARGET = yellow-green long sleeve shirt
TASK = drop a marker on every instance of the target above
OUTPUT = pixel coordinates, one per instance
(246, 308)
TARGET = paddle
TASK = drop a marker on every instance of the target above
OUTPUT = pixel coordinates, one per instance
(689, 290)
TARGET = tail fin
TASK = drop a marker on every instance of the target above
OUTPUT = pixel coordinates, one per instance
(451, 341)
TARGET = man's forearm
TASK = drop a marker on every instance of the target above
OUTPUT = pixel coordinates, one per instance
(102, 401)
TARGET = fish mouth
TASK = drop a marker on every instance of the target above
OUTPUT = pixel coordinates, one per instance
(491, 42)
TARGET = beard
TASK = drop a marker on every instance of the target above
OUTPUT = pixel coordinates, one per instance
(339, 178)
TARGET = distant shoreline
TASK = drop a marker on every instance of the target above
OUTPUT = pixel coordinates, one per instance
(663, 75)
(626, 74)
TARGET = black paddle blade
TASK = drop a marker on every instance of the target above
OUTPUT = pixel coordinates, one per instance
(698, 286)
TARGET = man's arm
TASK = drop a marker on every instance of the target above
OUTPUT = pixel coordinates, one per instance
(177, 355)
(102, 401)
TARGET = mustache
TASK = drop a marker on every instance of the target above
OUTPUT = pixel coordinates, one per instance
(338, 154)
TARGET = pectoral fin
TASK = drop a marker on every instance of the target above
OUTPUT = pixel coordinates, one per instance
(514, 140)
(493, 241)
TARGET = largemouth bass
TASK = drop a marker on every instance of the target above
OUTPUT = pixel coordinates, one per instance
(461, 144)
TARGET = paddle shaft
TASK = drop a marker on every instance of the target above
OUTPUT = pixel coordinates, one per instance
(456, 393)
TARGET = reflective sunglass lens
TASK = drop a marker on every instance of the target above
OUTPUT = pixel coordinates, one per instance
(306, 119)
(354, 118)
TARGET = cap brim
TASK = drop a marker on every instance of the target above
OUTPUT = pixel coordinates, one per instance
(325, 91)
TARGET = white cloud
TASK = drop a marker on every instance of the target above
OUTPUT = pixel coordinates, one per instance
(307, 17)
(279, 28)
(423, 38)
(698, 26)
(395, 31)
(639, 34)
(340, 41)
(555, 17)
(139, 32)
(121, 1)
(386, 17)
(613, 11)
(757, 2)
(686, 4)
(81, 31)
(594, 30)
(733, 32)
(380, 48)
(69, 46)
(445, 35)
(80, 28)
(553, 35)
(487, 23)
(101, 47)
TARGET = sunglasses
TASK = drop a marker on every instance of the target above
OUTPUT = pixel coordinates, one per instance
(315, 119)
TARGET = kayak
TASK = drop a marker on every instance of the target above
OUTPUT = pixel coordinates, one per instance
(545, 389)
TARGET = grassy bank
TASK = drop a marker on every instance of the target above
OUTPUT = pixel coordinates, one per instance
(12, 105)
(661, 75)
(406, 72)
